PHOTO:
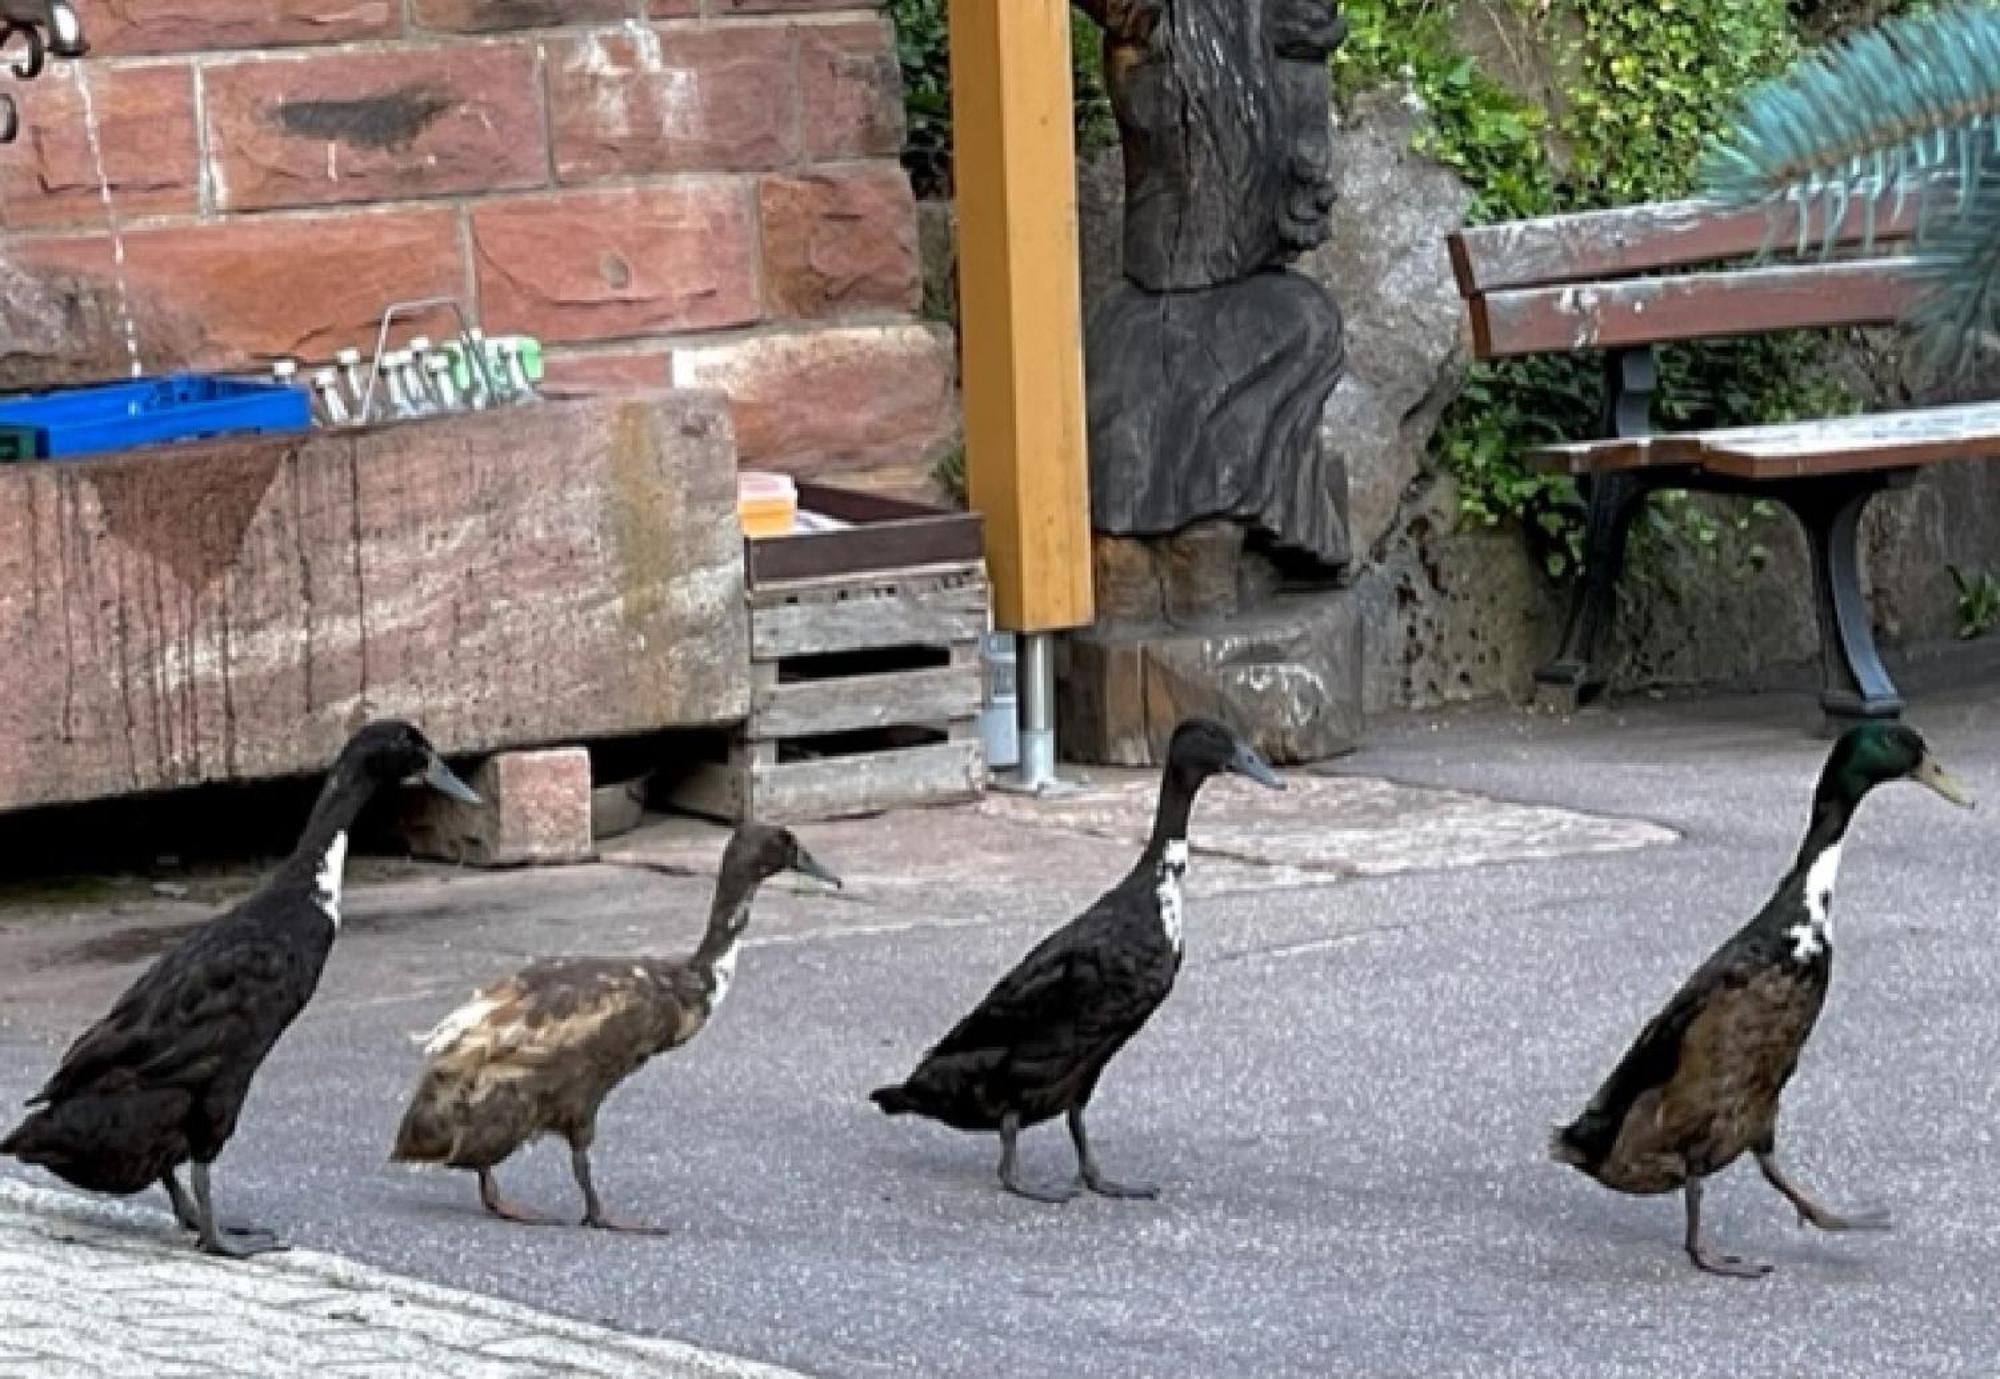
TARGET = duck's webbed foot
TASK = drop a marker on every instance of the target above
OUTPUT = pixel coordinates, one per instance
(602, 1222)
(242, 1243)
(1712, 1261)
(1107, 1187)
(189, 1218)
(238, 1241)
(1811, 1213)
(1010, 1171)
(594, 1215)
(1087, 1167)
(1726, 1265)
(184, 1210)
(1053, 1196)
(490, 1198)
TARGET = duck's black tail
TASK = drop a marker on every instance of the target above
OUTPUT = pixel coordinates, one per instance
(35, 1139)
(118, 1142)
(425, 1136)
(1586, 1141)
(894, 1101)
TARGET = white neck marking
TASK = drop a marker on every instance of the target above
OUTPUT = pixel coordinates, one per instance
(724, 974)
(1173, 866)
(326, 881)
(1816, 934)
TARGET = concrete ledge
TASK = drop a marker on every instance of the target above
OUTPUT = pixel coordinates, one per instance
(207, 612)
(1287, 675)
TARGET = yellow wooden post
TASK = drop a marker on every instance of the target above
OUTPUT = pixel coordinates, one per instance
(1020, 310)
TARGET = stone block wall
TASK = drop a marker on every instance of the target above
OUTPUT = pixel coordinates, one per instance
(690, 192)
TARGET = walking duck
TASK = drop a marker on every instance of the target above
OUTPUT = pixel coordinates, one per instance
(536, 1053)
(1701, 1084)
(1034, 1048)
(160, 1081)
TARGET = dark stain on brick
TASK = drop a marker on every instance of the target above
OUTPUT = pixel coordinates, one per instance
(391, 121)
(522, 14)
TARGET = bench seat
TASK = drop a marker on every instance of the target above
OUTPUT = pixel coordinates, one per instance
(1793, 450)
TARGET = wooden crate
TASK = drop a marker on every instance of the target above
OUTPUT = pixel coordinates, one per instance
(864, 671)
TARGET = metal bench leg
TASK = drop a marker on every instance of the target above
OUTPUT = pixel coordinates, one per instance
(1853, 684)
(1573, 678)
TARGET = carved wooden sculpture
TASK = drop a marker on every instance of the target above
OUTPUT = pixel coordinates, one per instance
(1210, 365)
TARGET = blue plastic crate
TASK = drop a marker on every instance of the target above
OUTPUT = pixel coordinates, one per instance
(118, 416)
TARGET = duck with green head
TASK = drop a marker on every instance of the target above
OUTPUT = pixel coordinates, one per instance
(1700, 1086)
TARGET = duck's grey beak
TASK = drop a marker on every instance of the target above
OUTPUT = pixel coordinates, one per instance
(1929, 773)
(1248, 763)
(808, 865)
(438, 777)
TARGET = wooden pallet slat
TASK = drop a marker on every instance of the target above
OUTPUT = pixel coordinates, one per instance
(853, 703)
(953, 574)
(888, 534)
(833, 787)
(938, 773)
(805, 751)
(907, 616)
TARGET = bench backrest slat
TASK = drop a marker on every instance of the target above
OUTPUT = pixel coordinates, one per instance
(1642, 311)
(1637, 239)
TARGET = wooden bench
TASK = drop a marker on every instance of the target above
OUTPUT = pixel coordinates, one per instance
(1624, 281)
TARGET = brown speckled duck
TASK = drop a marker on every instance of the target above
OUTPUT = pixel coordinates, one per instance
(536, 1053)
(1701, 1084)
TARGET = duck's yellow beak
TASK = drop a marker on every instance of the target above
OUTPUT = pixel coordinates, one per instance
(1929, 773)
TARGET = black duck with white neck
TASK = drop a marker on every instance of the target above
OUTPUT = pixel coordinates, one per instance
(1701, 1085)
(537, 1053)
(160, 1080)
(1035, 1047)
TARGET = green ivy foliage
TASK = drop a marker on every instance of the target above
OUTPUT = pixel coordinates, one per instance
(1654, 81)
(1493, 139)
(923, 49)
(1642, 88)
(1978, 602)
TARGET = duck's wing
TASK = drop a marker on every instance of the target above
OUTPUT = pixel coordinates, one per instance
(173, 1025)
(1066, 992)
(564, 1011)
(1655, 1056)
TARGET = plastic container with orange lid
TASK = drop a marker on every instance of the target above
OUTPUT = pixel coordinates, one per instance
(767, 504)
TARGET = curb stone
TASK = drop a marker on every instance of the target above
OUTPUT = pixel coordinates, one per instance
(383, 1323)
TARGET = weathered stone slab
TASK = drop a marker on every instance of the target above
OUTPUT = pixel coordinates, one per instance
(1287, 676)
(1340, 825)
(231, 611)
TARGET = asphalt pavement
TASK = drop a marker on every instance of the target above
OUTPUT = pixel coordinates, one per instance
(1345, 1102)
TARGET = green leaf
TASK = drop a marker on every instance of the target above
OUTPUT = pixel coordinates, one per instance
(1907, 109)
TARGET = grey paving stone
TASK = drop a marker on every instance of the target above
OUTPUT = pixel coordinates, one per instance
(93, 1290)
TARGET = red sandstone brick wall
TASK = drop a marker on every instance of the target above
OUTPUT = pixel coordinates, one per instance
(695, 191)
